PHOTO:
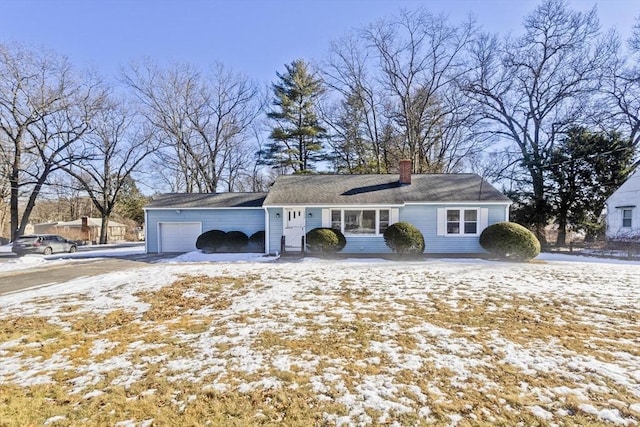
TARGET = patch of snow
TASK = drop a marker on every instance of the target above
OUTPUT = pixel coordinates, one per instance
(611, 415)
(101, 346)
(548, 256)
(541, 413)
(455, 419)
(197, 256)
(92, 394)
(54, 419)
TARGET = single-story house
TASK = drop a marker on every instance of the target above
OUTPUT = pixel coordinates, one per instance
(85, 228)
(623, 210)
(451, 210)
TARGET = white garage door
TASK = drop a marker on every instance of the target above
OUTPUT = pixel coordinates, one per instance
(179, 236)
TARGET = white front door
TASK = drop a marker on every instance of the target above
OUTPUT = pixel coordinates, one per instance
(293, 228)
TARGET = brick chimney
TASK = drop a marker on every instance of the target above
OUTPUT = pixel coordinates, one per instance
(405, 172)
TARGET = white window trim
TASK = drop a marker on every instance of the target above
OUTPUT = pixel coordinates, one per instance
(481, 221)
(326, 216)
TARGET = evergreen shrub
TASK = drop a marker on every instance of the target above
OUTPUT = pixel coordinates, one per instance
(236, 241)
(211, 241)
(511, 241)
(257, 241)
(404, 238)
(325, 240)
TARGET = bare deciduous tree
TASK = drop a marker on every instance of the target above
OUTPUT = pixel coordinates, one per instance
(623, 88)
(421, 58)
(116, 147)
(202, 120)
(358, 121)
(401, 75)
(532, 88)
(45, 109)
(5, 187)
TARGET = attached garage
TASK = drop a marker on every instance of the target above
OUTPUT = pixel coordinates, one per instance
(173, 222)
(178, 236)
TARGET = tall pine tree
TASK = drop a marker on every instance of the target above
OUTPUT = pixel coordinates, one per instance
(296, 136)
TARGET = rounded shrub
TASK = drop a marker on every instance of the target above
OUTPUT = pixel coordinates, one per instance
(257, 240)
(325, 240)
(211, 241)
(236, 241)
(404, 238)
(510, 240)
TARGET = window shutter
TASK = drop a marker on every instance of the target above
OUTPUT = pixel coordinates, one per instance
(326, 218)
(442, 222)
(394, 216)
(484, 219)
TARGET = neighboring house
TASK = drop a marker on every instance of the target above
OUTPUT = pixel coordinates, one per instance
(451, 210)
(84, 228)
(623, 210)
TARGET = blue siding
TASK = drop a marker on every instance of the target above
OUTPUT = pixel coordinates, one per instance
(315, 220)
(246, 220)
(276, 224)
(275, 229)
(251, 220)
(366, 245)
(425, 217)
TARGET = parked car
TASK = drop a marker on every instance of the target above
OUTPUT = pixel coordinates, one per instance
(45, 244)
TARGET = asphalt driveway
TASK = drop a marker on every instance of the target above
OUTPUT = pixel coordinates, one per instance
(85, 264)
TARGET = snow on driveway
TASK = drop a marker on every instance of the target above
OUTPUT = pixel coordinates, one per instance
(352, 342)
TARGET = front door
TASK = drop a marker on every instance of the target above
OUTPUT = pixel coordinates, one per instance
(293, 228)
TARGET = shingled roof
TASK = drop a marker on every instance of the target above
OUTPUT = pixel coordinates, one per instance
(207, 200)
(345, 190)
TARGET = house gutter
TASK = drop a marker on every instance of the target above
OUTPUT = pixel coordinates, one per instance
(266, 230)
(146, 232)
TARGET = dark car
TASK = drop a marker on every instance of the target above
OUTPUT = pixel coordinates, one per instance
(45, 244)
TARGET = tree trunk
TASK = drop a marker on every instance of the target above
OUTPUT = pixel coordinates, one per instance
(14, 193)
(540, 204)
(103, 229)
(562, 226)
(14, 207)
(31, 203)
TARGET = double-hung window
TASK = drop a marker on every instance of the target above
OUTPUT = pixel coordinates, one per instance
(626, 218)
(360, 221)
(462, 221)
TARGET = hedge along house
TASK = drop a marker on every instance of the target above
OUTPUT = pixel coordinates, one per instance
(451, 210)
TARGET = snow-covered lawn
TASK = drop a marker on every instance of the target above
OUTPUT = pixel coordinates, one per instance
(353, 342)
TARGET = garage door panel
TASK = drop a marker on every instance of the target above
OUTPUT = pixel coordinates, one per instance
(179, 236)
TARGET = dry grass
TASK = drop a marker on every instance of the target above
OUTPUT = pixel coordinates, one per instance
(242, 349)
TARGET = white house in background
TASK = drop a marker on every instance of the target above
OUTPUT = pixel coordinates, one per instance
(623, 209)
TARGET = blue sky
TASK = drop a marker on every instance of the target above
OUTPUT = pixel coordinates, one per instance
(255, 37)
